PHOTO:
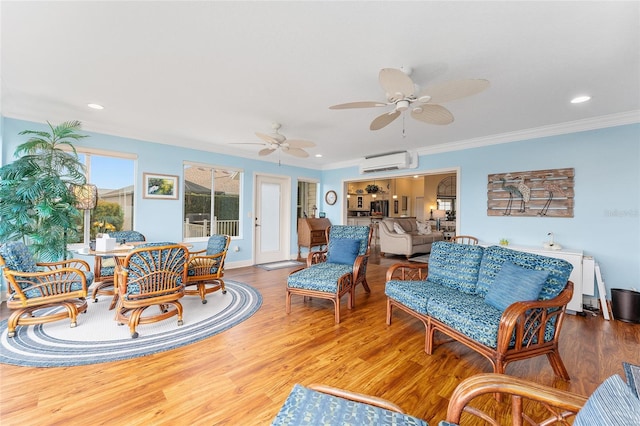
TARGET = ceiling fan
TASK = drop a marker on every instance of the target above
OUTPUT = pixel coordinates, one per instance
(277, 140)
(425, 106)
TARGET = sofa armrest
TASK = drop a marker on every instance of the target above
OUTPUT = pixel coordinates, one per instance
(408, 271)
(316, 257)
(357, 397)
(529, 320)
(561, 404)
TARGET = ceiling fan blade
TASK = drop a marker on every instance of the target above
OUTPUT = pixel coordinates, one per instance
(265, 151)
(362, 104)
(267, 138)
(383, 120)
(455, 89)
(432, 114)
(298, 143)
(296, 152)
(396, 84)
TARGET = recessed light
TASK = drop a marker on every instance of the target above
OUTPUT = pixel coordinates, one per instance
(95, 106)
(580, 99)
(318, 155)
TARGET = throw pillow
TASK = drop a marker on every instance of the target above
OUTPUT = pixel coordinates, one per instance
(612, 403)
(515, 284)
(399, 229)
(343, 251)
(423, 228)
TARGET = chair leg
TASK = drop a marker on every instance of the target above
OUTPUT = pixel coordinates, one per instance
(558, 366)
(389, 311)
(287, 303)
(336, 304)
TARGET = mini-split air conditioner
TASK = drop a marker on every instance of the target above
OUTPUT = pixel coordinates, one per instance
(389, 161)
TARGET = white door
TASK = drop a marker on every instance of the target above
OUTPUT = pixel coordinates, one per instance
(272, 219)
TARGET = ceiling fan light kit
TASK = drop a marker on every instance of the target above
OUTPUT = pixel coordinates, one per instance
(400, 92)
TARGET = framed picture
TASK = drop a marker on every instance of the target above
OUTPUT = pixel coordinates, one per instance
(161, 187)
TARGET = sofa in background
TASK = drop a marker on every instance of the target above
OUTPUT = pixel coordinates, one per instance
(504, 304)
(402, 236)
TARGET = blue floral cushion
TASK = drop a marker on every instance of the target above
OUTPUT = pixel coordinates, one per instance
(306, 407)
(360, 233)
(515, 284)
(468, 314)
(455, 265)
(495, 256)
(216, 244)
(145, 263)
(612, 404)
(416, 294)
(343, 251)
(321, 277)
(18, 257)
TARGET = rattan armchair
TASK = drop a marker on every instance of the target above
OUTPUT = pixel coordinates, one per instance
(336, 271)
(41, 286)
(464, 239)
(152, 275)
(206, 268)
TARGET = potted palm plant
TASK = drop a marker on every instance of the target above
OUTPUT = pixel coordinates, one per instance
(37, 203)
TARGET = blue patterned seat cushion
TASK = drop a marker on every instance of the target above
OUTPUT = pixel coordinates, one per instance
(321, 277)
(306, 407)
(108, 263)
(612, 404)
(416, 294)
(494, 256)
(455, 265)
(144, 263)
(468, 314)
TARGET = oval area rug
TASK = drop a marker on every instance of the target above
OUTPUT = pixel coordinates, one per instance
(98, 338)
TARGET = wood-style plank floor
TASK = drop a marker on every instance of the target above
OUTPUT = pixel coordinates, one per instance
(243, 375)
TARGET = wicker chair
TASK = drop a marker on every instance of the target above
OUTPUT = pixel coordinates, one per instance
(206, 268)
(464, 239)
(531, 403)
(153, 274)
(35, 286)
(332, 273)
(104, 267)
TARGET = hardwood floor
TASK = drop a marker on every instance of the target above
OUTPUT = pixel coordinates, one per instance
(243, 375)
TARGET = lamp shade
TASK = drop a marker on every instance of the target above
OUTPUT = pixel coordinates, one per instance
(439, 214)
(86, 196)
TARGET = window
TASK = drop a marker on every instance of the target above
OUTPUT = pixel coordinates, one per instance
(115, 177)
(211, 201)
(307, 199)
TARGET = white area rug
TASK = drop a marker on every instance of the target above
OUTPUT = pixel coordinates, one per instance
(98, 338)
(280, 265)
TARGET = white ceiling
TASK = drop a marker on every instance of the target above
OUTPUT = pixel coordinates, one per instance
(206, 74)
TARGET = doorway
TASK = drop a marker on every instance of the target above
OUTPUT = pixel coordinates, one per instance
(272, 221)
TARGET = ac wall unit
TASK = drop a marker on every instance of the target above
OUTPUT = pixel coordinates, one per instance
(389, 161)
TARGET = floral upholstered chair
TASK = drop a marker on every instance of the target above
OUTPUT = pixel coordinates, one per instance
(104, 267)
(336, 271)
(151, 275)
(35, 286)
(206, 268)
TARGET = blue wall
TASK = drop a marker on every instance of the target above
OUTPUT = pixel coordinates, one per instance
(606, 222)
(162, 219)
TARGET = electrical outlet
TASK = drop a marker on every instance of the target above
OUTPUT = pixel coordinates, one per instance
(236, 248)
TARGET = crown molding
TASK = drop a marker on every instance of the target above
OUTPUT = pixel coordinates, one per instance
(601, 122)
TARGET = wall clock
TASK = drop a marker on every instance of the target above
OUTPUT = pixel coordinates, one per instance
(331, 197)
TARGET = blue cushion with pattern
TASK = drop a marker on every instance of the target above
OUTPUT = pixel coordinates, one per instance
(612, 404)
(145, 263)
(416, 294)
(108, 268)
(455, 265)
(360, 233)
(321, 277)
(494, 256)
(216, 244)
(343, 251)
(306, 407)
(18, 257)
(515, 284)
